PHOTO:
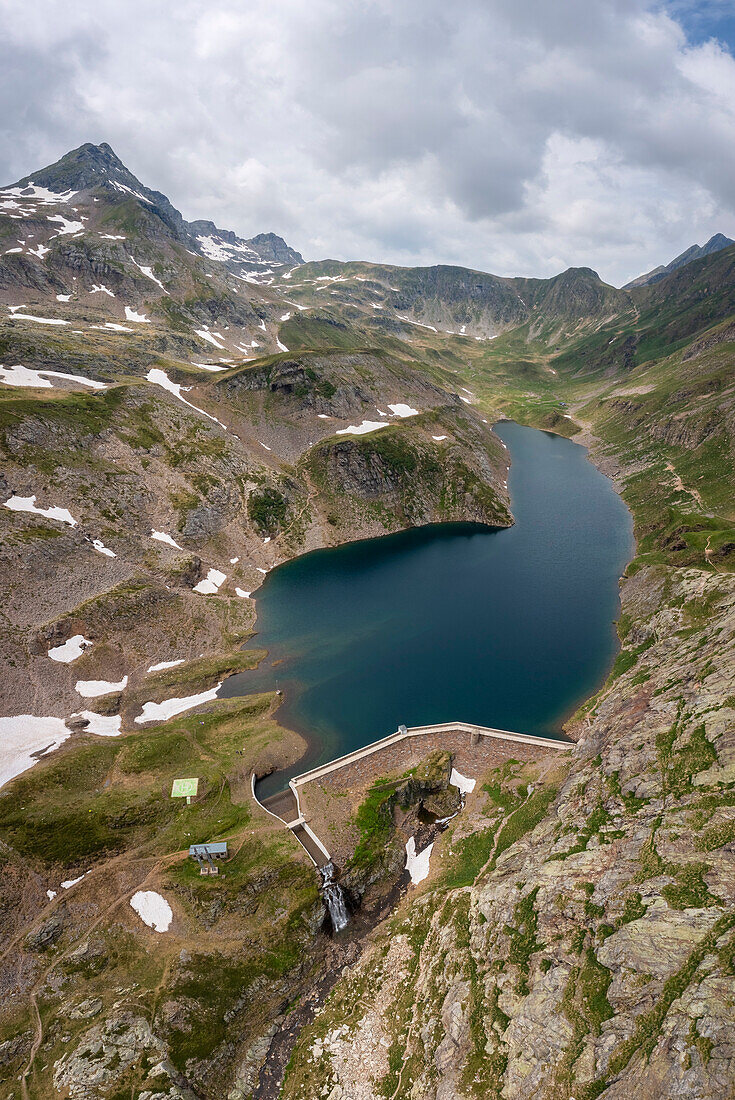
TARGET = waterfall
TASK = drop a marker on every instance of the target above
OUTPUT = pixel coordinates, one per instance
(334, 899)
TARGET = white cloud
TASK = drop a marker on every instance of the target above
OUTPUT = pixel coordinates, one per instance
(516, 136)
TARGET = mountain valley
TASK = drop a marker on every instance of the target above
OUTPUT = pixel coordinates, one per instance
(182, 410)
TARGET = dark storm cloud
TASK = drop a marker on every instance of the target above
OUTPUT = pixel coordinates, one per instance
(512, 135)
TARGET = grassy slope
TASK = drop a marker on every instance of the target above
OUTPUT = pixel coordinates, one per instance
(102, 806)
(118, 805)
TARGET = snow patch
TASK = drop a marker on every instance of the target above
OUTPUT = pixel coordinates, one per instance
(90, 689)
(148, 272)
(161, 536)
(417, 865)
(465, 785)
(24, 738)
(67, 885)
(152, 909)
(28, 504)
(100, 547)
(215, 248)
(438, 438)
(166, 664)
(160, 378)
(205, 334)
(104, 725)
(418, 323)
(160, 712)
(67, 226)
(364, 428)
(211, 584)
(39, 379)
(38, 320)
(403, 410)
(101, 289)
(70, 650)
(31, 193)
(241, 592)
(131, 315)
(122, 187)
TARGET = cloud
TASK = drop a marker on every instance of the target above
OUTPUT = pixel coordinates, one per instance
(516, 136)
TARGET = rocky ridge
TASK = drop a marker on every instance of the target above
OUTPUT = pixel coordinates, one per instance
(594, 956)
(575, 935)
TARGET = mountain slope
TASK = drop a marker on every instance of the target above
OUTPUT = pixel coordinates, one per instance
(694, 252)
(180, 411)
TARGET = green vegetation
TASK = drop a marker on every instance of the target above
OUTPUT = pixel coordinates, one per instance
(716, 837)
(690, 890)
(97, 797)
(374, 823)
(215, 982)
(268, 510)
(596, 822)
(633, 909)
(525, 818)
(681, 761)
(522, 936)
(647, 1030)
(198, 675)
(468, 856)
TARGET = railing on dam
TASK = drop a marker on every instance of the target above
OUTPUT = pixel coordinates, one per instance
(286, 806)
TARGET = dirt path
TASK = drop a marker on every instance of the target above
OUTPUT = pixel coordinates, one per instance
(682, 488)
(160, 863)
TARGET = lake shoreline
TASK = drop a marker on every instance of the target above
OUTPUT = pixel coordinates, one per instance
(321, 748)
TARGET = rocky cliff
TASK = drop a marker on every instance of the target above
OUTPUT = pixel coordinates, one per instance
(594, 955)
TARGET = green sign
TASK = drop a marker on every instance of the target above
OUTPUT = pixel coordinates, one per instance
(184, 788)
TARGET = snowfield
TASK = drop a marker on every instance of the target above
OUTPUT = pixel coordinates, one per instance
(211, 584)
(152, 909)
(417, 865)
(28, 504)
(39, 379)
(362, 429)
(24, 738)
(160, 712)
(70, 650)
(90, 689)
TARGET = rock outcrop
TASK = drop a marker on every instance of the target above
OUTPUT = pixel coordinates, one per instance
(592, 957)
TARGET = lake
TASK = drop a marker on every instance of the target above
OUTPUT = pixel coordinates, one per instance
(510, 628)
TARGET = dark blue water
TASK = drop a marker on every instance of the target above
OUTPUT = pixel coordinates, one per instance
(506, 628)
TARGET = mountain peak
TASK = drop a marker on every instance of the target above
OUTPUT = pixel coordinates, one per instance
(695, 252)
(81, 169)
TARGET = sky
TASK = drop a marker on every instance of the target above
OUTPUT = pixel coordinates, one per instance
(519, 137)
